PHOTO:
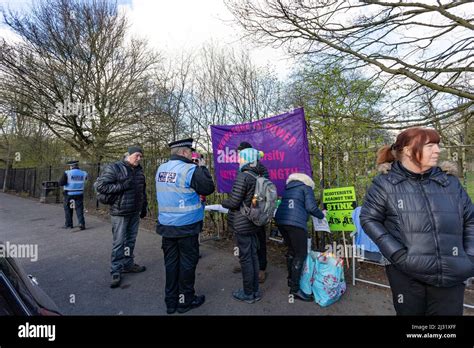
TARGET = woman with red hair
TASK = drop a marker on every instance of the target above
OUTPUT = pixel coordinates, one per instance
(422, 220)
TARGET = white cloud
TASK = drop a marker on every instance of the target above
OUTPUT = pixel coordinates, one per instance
(173, 26)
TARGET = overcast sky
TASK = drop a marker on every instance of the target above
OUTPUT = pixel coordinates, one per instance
(172, 26)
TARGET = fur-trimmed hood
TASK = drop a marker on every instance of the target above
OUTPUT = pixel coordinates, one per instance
(305, 179)
(449, 167)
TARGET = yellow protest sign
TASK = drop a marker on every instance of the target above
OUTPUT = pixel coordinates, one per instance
(340, 203)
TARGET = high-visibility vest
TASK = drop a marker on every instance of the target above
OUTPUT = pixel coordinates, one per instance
(178, 203)
(75, 182)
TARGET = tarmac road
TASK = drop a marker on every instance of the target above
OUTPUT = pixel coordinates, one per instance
(73, 268)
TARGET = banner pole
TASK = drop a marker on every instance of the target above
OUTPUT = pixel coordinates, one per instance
(345, 250)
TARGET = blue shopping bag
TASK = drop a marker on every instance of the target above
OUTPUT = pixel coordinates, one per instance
(328, 273)
(306, 280)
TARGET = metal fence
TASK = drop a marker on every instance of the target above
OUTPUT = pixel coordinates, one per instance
(28, 182)
(334, 169)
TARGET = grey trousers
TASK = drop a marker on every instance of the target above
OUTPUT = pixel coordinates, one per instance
(124, 231)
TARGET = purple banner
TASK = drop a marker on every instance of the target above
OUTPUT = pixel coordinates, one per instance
(282, 138)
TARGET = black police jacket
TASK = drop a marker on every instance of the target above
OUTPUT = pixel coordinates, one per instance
(422, 223)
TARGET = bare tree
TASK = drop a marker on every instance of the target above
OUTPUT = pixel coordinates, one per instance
(409, 44)
(228, 89)
(165, 119)
(206, 102)
(76, 72)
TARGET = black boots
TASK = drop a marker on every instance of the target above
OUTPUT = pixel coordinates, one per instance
(300, 295)
(289, 263)
(296, 268)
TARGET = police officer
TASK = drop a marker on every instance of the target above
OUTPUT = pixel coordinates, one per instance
(179, 182)
(73, 181)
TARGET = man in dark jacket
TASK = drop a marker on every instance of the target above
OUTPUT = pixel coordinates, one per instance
(245, 231)
(179, 182)
(126, 180)
(261, 232)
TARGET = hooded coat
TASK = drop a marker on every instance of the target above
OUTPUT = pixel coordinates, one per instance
(298, 202)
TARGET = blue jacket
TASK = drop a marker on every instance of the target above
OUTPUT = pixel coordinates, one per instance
(297, 203)
(361, 238)
(73, 181)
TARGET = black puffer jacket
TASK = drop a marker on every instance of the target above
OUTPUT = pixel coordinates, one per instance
(428, 215)
(128, 183)
(242, 192)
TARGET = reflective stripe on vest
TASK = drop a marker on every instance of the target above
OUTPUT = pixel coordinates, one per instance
(164, 188)
(178, 203)
(75, 181)
(180, 209)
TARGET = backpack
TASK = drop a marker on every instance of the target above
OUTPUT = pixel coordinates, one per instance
(107, 198)
(265, 196)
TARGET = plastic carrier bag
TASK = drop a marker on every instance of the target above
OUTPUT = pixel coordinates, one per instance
(323, 276)
(329, 284)
(306, 280)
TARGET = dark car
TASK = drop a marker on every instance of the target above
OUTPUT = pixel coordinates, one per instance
(20, 293)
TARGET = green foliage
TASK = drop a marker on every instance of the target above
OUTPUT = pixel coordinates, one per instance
(343, 123)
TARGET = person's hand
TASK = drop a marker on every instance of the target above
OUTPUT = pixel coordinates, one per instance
(400, 256)
(325, 212)
(127, 184)
(399, 260)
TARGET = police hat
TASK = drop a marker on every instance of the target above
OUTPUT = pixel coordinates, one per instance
(182, 143)
(72, 163)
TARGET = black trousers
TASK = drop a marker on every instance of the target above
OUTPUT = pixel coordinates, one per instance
(74, 202)
(297, 241)
(412, 297)
(262, 248)
(181, 259)
(248, 258)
